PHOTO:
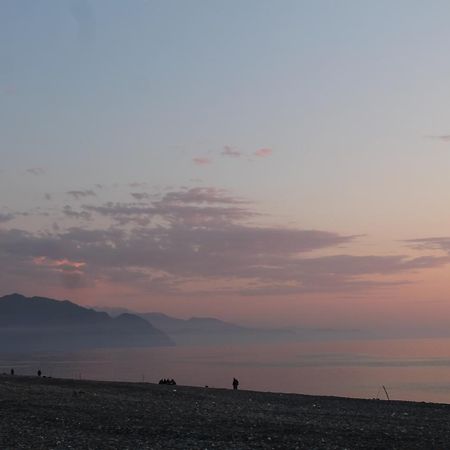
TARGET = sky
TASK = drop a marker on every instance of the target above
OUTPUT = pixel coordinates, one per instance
(267, 162)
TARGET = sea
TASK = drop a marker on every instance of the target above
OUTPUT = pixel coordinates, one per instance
(408, 369)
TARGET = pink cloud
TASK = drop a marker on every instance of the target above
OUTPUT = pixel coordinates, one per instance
(263, 152)
(59, 264)
(201, 161)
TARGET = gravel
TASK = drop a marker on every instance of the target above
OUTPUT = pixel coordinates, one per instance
(45, 413)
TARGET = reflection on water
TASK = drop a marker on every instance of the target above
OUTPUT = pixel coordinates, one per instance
(410, 369)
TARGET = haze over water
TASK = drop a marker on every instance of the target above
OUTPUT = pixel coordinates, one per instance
(416, 370)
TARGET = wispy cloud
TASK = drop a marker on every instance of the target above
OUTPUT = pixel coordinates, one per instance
(170, 212)
(431, 243)
(231, 152)
(81, 194)
(202, 160)
(261, 261)
(73, 214)
(263, 152)
(140, 195)
(206, 236)
(202, 195)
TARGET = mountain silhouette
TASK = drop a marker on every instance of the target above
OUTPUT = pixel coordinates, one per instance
(209, 330)
(192, 325)
(42, 324)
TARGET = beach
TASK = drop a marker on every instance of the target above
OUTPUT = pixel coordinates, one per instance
(49, 413)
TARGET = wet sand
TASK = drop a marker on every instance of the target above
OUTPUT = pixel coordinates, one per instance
(43, 413)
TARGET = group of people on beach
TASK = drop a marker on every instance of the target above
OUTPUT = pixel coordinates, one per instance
(172, 382)
(167, 381)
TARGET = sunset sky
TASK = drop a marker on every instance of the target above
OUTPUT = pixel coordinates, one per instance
(266, 162)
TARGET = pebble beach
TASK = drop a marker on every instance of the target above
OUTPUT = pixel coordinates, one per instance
(46, 413)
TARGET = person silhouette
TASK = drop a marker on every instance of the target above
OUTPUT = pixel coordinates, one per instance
(39, 373)
(235, 384)
(12, 371)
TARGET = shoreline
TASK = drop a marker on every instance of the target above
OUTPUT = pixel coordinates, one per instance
(63, 380)
(55, 413)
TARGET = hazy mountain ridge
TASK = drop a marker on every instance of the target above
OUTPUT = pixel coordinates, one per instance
(210, 330)
(206, 330)
(37, 323)
(193, 324)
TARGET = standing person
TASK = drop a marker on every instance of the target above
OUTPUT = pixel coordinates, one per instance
(12, 371)
(235, 384)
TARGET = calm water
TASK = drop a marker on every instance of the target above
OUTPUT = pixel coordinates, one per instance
(410, 369)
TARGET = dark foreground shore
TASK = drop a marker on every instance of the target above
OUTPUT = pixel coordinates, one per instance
(64, 414)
